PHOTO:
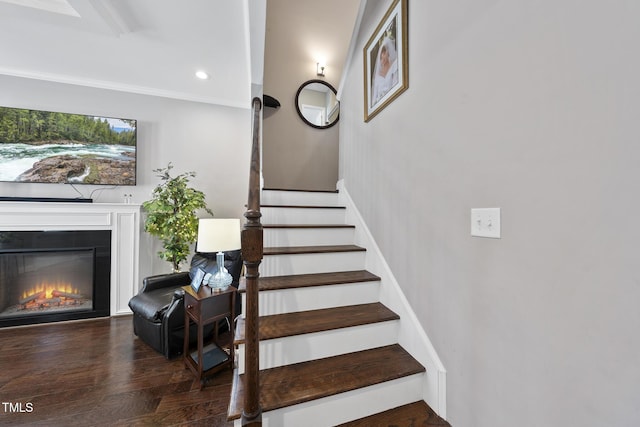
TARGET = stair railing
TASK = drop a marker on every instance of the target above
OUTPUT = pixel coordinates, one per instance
(252, 253)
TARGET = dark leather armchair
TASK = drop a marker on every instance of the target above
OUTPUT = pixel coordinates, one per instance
(158, 309)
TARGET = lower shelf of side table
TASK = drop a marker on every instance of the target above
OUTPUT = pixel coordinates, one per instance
(212, 356)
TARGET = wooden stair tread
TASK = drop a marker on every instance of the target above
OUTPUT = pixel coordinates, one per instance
(326, 319)
(299, 190)
(294, 250)
(304, 206)
(413, 414)
(274, 283)
(302, 382)
(308, 226)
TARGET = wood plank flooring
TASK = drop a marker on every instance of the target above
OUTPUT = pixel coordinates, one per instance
(98, 373)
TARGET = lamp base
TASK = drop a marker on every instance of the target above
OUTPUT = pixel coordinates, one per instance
(221, 279)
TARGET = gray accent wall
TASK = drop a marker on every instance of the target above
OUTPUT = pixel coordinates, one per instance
(531, 107)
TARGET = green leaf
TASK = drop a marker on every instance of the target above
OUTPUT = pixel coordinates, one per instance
(171, 214)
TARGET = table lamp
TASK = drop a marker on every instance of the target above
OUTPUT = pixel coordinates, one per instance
(219, 235)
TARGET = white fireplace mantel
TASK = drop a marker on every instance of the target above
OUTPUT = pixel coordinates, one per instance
(123, 220)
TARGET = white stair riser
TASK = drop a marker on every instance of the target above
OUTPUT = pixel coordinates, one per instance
(302, 348)
(355, 404)
(315, 297)
(270, 197)
(302, 216)
(284, 265)
(308, 236)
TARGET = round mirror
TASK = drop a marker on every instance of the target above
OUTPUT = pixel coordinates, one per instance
(317, 104)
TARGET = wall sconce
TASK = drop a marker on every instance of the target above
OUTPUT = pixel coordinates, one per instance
(320, 69)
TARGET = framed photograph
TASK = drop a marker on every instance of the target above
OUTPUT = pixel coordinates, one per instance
(386, 65)
(197, 279)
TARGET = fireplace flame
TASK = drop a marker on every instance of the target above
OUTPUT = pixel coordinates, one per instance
(48, 287)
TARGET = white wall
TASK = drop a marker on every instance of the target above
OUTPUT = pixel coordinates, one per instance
(214, 141)
(531, 107)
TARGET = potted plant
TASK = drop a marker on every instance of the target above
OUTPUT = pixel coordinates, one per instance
(171, 215)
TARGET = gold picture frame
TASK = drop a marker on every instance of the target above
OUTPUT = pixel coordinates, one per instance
(386, 60)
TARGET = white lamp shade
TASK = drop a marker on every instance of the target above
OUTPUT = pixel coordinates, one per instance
(218, 235)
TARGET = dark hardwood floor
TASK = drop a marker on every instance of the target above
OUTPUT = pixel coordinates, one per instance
(97, 373)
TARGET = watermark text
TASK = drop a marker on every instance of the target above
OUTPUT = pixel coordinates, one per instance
(17, 407)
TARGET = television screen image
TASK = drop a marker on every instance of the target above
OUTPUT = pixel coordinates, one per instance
(51, 147)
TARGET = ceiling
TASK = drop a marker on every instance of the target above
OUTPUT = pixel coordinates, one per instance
(151, 47)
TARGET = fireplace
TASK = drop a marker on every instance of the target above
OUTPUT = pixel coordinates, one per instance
(49, 276)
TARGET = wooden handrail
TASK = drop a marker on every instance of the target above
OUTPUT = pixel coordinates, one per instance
(252, 252)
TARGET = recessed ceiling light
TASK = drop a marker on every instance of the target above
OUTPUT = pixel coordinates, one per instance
(202, 75)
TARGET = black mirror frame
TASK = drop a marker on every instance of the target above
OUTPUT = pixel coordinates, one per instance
(302, 86)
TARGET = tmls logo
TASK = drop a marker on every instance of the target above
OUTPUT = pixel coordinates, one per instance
(17, 407)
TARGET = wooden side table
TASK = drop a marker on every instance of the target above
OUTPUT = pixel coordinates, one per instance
(203, 308)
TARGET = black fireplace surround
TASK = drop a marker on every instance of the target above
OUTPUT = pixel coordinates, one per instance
(42, 255)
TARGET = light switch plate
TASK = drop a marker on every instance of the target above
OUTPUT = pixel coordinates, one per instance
(485, 222)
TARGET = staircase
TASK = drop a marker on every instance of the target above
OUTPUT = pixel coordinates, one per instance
(329, 352)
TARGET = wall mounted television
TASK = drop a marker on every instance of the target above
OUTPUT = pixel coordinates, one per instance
(51, 147)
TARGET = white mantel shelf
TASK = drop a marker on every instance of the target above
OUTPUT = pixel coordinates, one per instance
(123, 220)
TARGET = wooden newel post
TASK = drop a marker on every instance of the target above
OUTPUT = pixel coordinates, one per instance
(252, 256)
(252, 252)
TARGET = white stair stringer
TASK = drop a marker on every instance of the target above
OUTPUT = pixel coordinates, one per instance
(302, 348)
(343, 407)
(315, 297)
(289, 264)
(355, 404)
